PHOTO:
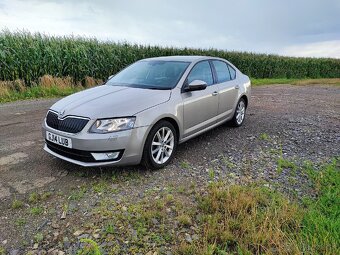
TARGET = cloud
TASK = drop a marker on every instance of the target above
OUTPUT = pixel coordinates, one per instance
(268, 26)
(318, 49)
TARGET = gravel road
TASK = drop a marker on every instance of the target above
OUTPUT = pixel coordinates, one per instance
(297, 123)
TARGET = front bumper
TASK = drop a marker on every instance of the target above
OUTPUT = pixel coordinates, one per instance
(128, 143)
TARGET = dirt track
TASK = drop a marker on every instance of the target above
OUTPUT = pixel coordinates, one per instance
(305, 121)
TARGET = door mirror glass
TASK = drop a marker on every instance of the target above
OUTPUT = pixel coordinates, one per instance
(196, 85)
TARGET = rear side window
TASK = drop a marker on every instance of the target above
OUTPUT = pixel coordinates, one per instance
(232, 72)
(222, 71)
(201, 71)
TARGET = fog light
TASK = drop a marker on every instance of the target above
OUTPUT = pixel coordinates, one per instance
(105, 155)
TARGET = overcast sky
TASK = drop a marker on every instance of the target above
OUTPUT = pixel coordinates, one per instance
(289, 27)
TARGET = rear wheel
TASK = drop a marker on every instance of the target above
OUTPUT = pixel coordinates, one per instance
(240, 113)
(160, 145)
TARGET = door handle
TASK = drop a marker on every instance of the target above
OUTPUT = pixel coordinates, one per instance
(215, 93)
(237, 87)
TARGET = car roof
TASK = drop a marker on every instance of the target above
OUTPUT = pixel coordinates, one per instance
(181, 58)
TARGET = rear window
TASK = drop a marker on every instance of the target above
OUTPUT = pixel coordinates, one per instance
(232, 72)
(222, 71)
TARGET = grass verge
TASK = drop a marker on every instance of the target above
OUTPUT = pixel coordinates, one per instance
(257, 220)
(39, 92)
(49, 87)
(245, 220)
(321, 222)
(223, 219)
(258, 82)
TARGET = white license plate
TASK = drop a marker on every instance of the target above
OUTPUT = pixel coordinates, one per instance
(58, 139)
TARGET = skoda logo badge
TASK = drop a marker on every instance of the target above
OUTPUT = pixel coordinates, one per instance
(61, 114)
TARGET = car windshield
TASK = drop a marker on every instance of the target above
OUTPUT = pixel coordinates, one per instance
(152, 74)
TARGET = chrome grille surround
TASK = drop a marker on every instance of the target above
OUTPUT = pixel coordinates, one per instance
(68, 124)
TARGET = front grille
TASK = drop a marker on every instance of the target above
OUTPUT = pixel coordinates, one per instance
(69, 124)
(80, 155)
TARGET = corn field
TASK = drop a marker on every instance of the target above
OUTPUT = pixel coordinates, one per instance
(28, 57)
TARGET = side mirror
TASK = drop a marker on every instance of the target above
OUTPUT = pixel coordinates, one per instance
(195, 85)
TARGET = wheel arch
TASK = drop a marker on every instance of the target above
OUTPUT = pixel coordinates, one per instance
(168, 118)
(145, 154)
(245, 98)
(172, 121)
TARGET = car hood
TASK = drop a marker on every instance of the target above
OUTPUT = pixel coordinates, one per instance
(110, 101)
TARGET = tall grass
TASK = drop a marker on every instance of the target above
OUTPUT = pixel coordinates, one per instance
(245, 220)
(28, 57)
(46, 86)
(258, 220)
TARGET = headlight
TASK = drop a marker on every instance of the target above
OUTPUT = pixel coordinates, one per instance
(112, 125)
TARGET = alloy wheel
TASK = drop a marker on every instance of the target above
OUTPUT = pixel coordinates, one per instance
(162, 145)
(240, 112)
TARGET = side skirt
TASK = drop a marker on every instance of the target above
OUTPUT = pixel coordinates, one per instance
(203, 130)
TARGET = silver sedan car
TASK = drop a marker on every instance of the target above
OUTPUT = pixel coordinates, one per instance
(143, 112)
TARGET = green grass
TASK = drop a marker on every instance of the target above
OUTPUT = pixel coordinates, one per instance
(109, 229)
(17, 204)
(300, 81)
(257, 220)
(45, 195)
(100, 186)
(90, 248)
(226, 161)
(20, 222)
(39, 237)
(264, 137)
(245, 220)
(36, 210)
(285, 164)
(38, 92)
(256, 82)
(185, 165)
(33, 198)
(321, 223)
(184, 220)
(78, 194)
(211, 174)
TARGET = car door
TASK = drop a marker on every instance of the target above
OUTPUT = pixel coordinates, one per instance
(200, 107)
(228, 89)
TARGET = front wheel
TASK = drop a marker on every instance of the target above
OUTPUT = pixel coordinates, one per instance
(239, 114)
(160, 145)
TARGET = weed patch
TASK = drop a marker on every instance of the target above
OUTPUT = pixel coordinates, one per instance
(17, 204)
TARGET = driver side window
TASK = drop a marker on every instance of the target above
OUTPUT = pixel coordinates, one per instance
(201, 71)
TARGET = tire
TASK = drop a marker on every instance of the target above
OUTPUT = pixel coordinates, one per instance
(240, 113)
(157, 152)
